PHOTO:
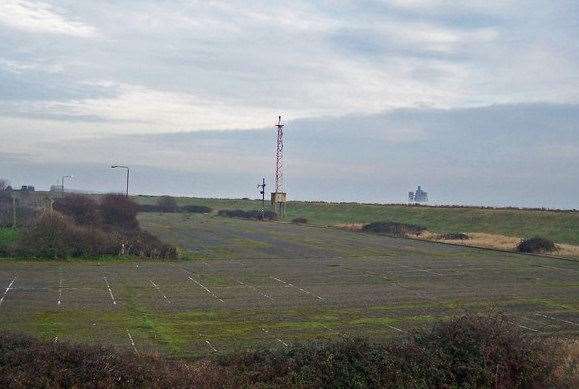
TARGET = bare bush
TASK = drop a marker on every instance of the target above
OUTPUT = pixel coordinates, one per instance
(145, 245)
(4, 184)
(119, 211)
(26, 362)
(82, 209)
(54, 235)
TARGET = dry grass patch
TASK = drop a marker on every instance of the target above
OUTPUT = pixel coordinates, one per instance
(351, 226)
(499, 242)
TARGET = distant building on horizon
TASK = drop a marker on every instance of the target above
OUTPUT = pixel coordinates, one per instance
(419, 196)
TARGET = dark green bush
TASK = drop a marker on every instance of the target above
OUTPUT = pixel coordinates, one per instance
(394, 228)
(250, 215)
(196, 209)
(536, 245)
(167, 204)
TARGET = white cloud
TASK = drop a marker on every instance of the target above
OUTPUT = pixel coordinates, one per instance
(20, 67)
(35, 16)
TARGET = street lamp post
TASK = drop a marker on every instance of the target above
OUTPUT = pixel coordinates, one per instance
(62, 182)
(128, 174)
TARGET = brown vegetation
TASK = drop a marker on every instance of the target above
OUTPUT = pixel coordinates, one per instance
(119, 211)
(82, 227)
(469, 351)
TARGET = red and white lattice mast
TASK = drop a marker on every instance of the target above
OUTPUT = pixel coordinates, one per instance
(279, 197)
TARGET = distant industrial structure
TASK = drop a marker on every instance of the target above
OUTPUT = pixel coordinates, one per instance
(279, 197)
(419, 196)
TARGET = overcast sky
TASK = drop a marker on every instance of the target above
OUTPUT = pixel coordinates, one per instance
(477, 101)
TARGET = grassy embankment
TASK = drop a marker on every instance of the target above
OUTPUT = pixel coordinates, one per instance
(561, 227)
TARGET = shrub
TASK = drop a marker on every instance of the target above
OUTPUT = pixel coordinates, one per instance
(251, 215)
(469, 351)
(54, 235)
(196, 209)
(82, 209)
(394, 228)
(167, 204)
(454, 236)
(149, 208)
(144, 244)
(536, 245)
(480, 351)
(119, 211)
(27, 362)
(300, 220)
(24, 215)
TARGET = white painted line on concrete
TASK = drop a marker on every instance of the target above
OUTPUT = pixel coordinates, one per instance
(290, 285)
(205, 288)
(256, 289)
(556, 319)
(429, 271)
(528, 328)
(132, 342)
(110, 291)
(421, 270)
(395, 328)
(159, 290)
(277, 339)
(211, 346)
(554, 268)
(59, 292)
(6, 291)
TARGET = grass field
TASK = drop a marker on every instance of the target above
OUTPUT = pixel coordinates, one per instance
(8, 236)
(561, 227)
(272, 285)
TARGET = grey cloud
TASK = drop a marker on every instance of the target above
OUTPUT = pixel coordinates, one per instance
(486, 155)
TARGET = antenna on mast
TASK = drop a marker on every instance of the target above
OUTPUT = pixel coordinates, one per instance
(279, 197)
